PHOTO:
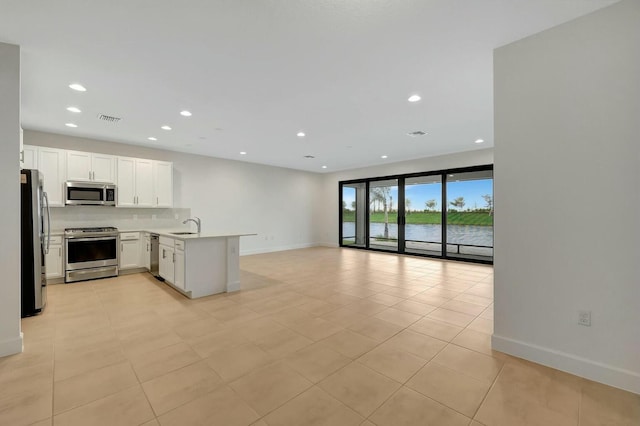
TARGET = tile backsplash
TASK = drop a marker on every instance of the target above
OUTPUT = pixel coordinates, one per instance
(121, 218)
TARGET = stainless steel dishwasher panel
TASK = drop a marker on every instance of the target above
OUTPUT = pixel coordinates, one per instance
(155, 252)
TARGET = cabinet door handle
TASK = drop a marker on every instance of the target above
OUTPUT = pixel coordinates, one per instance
(60, 251)
(174, 258)
(157, 201)
(121, 247)
(163, 254)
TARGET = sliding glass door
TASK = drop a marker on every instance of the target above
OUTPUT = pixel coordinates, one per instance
(354, 211)
(423, 215)
(383, 214)
(470, 215)
(446, 214)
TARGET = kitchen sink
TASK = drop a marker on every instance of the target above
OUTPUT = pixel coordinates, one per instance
(183, 233)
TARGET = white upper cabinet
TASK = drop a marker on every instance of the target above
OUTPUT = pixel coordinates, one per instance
(104, 168)
(144, 183)
(90, 167)
(140, 182)
(29, 157)
(51, 163)
(126, 185)
(135, 182)
(163, 183)
(79, 166)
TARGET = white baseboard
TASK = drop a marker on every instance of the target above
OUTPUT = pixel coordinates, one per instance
(11, 346)
(607, 374)
(332, 245)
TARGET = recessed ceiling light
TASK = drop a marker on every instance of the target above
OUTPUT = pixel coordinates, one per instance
(78, 87)
(384, 156)
(165, 127)
(73, 109)
(301, 134)
(151, 138)
(479, 140)
(185, 113)
(71, 125)
(324, 167)
(243, 153)
(414, 98)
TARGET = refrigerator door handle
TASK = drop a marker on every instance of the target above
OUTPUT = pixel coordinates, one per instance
(46, 199)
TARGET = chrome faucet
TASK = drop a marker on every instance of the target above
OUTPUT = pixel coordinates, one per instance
(196, 221)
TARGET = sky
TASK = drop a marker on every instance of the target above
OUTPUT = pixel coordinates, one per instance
(471, 190)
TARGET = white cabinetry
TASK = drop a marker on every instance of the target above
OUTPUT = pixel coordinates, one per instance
(51, 163)
(135, 182)
(29, 157)
(178, 265)
(54, 259)
(200, 266)
(129, 250)
(140, 182)
(91, 167)
(163, 183)
(166, 266)
(172, 262)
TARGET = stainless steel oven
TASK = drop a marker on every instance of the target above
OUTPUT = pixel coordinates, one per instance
(90, 253)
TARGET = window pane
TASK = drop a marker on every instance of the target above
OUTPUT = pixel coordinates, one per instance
(470, 215)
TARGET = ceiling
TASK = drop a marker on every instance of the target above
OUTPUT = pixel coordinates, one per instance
(254, 73)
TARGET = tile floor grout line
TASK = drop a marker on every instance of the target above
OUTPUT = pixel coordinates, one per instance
(490, 389)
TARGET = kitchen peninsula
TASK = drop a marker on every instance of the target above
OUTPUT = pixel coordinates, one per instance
(199, 264)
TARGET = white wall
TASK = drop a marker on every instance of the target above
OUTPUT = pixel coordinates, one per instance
(327, 218)
(229, 196)
(10, 335)
(567, 179)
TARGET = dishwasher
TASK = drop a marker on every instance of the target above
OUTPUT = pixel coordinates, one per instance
(155, 256)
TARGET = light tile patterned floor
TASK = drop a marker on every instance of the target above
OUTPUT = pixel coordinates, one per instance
(318, 337)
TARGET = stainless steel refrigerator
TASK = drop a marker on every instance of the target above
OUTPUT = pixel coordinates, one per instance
(35, 222)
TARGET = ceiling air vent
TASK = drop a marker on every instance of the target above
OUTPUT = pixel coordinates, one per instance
(109, 118)
(309, 156)
(417, 133)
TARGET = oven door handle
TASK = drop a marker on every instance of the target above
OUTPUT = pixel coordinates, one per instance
(76, 239)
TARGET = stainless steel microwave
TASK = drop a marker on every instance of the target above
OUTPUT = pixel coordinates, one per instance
(89, 194)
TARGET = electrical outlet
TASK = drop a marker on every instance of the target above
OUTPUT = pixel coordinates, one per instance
(177, 216)
(584, 318)
(154, 217)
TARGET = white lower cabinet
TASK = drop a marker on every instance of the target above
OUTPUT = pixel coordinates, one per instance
(54, 259)
(172, 262)
(166, 262)
(179, 267)
(129, 250)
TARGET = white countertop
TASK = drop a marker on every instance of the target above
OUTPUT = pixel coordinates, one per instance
(169, 233)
